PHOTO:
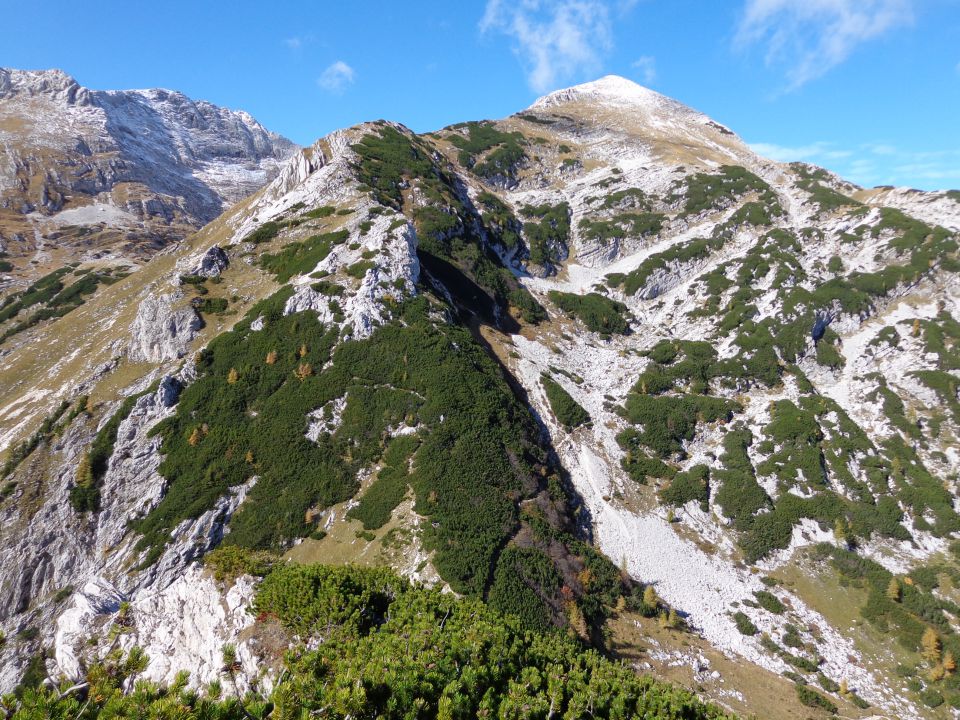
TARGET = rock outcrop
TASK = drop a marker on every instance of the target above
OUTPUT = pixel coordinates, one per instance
(161, 331)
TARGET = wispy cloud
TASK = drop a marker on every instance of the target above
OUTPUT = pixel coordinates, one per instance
(810, 37)
(556, 40)
(336, 77)
(647, 66)
(872, 164)
(803, 153)
(298, 42)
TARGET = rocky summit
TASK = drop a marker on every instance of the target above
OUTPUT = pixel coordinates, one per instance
(596, 371)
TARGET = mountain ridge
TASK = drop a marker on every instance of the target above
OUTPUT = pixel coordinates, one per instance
(761, 321)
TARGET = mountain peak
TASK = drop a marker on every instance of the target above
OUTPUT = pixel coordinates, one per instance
(38, 82)
(608, 89)
(665, 124)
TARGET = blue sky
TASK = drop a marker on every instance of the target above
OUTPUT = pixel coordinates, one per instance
(868, 88)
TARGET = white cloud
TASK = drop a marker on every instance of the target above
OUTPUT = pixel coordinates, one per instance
(803, 153)
(647, 65)
(299, 42)
(810, 37)
(336, 77)
(556, 40)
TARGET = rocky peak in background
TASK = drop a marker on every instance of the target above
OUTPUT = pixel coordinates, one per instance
(88, 174)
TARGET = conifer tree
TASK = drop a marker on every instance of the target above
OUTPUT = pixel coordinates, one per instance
(304, 371)
(233, 376)
(931, 647)
(893, 590)
(949, 663)
(578, 622)
(673, 620)
(84, 476)
(650, 599)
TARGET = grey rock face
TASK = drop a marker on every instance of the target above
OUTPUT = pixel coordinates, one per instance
(213, 263)
(160, 331)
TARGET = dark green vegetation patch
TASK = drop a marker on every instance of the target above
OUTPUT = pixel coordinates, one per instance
(547, 232)
(474, 457)
(450, 247)
(300, 258)
(709, 192)
(598, 312)
(568, 411)
(489, 152)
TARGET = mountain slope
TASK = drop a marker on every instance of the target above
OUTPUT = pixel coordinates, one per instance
(477, 354)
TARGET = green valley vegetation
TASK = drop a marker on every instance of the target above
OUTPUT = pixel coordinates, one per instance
(382, 649)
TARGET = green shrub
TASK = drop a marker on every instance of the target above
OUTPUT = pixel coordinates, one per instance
(931, 697)
(212, 306)
(547, 231)
(693, 484)
(568, 411)
(229, 562)
(744, 624)
(504, 150)
(359, 268)
(320, 212)
(599, 313)
(811, 698)
(705, 191)
(300, 258)
(627, 225)
(265, 233)
(385, 493)
(524, 577)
